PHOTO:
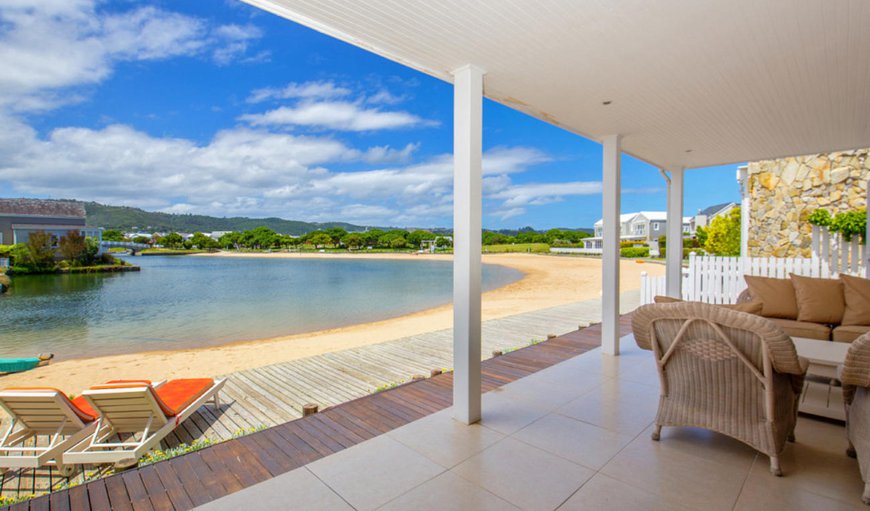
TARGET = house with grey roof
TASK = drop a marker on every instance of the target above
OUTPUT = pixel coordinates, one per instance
(19, 218)
(706, 215)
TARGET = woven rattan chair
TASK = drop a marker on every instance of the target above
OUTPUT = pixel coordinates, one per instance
(722, 370)
(855, 375)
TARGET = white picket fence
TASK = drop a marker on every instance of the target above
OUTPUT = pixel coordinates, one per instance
(713, 279)
(839, 254)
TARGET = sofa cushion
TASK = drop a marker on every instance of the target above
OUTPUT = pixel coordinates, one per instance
(857, 297)
(777, 296)
(804, 329)
(819, 300)
(748, 307)
(848, 333)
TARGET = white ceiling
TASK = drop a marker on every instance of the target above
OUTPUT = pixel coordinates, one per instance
(693, 83)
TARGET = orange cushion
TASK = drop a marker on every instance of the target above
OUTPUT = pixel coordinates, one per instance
(176, 395)
(78, 405)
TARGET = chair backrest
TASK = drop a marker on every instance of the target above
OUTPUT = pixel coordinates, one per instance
(129, 408)
(43, 410)
(713, 334)
(856, 367)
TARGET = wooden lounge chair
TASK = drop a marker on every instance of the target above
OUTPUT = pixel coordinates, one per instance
(730, 372)
(855, 375)
(147, 413)
(42, 411)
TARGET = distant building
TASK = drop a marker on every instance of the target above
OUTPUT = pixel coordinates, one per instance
(643, 227)
(216, 235)
(19, 218)
(706, 215)
(648, 226)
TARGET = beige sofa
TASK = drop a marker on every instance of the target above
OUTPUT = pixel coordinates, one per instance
(825, 309)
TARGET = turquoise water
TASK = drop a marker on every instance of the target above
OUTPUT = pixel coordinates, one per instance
(179, 302)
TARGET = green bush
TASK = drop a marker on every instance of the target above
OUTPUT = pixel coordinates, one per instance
(820, 217)
(850, 223)
(634, 252)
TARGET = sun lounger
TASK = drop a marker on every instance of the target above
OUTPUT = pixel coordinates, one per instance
(147, 413)
(42, 411)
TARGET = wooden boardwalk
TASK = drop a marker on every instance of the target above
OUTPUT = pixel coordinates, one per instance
(273, 395)
(187, 481)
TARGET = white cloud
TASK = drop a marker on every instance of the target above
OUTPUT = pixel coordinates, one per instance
(307, 90)
(251, 172)
(336, 115)
(57, 44)
(235, 41)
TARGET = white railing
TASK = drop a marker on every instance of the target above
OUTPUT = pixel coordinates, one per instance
(839, 254)
(713, 279)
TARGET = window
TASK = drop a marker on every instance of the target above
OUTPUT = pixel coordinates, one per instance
(655, 226)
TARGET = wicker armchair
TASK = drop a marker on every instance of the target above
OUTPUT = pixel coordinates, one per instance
(855, 375)
(723, 370)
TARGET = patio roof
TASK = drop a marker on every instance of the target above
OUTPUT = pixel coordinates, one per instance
(690, 84)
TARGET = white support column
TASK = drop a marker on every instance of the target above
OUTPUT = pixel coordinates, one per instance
(467, 211)
(674, 254)
(867, 238)
(610, 246)
(743, 179)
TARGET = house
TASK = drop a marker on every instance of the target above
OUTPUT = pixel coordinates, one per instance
(706, 215)
(643, 226)
(19, 218)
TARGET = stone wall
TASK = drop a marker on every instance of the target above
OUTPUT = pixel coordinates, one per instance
(784, 192)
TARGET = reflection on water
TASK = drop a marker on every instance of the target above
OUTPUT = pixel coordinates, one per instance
(177, 302)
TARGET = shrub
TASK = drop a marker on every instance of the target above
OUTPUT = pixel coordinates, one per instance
(634, 252)
(723, 235)
(850, 223)
(820, 217)
(72, 247)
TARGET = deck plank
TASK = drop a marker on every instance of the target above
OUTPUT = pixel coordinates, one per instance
(343, 383)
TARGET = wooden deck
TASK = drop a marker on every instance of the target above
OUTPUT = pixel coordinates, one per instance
(274, 394)
(187, 481)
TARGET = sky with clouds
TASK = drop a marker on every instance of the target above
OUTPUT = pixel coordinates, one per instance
(221, 109)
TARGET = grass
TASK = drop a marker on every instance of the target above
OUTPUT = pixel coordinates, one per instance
(532, 342)
(533, 248)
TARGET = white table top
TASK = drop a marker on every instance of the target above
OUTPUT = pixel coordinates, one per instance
(821, 352)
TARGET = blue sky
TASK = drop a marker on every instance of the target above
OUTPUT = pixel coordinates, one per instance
(221, 109)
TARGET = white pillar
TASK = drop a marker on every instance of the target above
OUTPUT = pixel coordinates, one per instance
(674, 254)
(610, 246)
(743, 179)
(467, 211)
(867, 238)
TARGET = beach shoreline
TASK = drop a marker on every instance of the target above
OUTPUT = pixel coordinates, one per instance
(547, 281)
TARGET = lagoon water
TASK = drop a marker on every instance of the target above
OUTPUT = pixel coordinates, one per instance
(180, 302)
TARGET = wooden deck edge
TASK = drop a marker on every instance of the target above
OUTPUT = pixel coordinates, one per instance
(193, 479)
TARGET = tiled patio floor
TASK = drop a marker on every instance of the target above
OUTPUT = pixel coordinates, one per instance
(573, 436)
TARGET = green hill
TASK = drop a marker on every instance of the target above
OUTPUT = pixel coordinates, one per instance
(127, 219)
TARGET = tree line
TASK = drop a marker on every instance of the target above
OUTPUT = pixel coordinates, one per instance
(264, 238)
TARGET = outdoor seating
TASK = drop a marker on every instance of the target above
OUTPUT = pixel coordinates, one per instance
(42, 411)
(141, 410)
(731, 372)
(855, 375)
(813, 308)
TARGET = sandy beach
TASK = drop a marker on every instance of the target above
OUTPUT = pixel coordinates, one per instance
(548, 281)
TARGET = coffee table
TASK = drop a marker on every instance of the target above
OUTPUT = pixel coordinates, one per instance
(822, 395)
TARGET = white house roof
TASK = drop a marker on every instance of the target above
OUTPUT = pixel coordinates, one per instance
(656, 216)
(689, 84)
(622, 219)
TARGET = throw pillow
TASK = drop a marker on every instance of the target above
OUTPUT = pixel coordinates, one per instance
(777, 296)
